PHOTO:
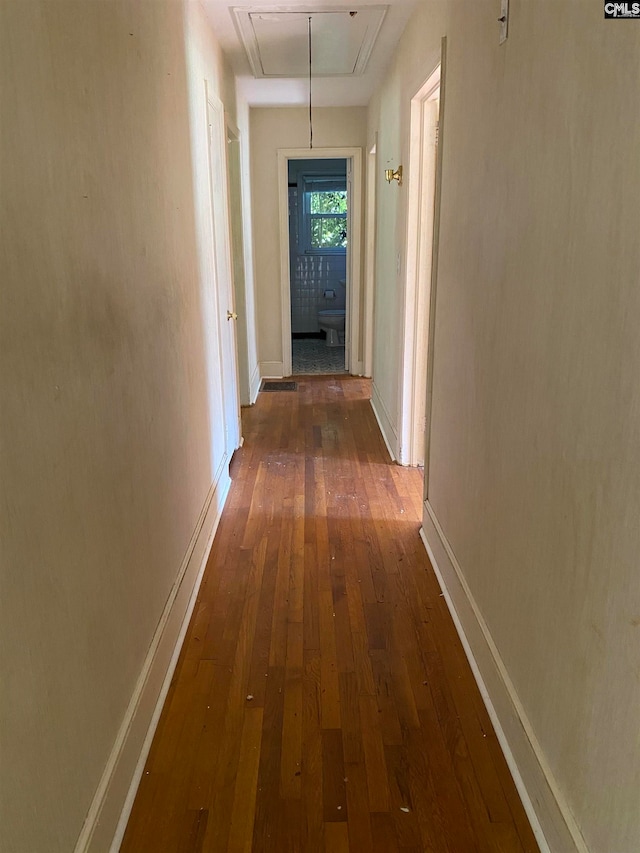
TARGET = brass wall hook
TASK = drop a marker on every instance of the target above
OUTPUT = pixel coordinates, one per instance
(390, 175)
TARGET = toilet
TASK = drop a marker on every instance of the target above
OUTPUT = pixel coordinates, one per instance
(332, 321)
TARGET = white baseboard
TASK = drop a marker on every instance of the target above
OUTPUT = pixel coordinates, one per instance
(389, 432)
(108, 814)
(551, 820)
(271, 369)
(254, 384)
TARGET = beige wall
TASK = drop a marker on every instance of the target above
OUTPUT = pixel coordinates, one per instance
(272, 129)
(534, 473)
(105, 421)
(389, 130)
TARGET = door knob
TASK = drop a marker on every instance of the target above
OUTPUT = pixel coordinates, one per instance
(231, 315)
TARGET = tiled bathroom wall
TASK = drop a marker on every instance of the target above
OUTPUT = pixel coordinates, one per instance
(311, 276)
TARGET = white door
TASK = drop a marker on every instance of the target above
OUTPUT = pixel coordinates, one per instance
(223, 273)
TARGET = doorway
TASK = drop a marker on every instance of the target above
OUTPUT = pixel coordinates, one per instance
(320, 239)
(221, 328)
(318, 210)
(422, 225)
(248, 377)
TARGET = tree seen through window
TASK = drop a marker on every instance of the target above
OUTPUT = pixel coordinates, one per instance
(327, 218)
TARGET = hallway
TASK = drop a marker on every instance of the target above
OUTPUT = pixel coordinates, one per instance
(322, 700)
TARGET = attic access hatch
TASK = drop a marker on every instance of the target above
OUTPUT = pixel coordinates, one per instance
(276, 40)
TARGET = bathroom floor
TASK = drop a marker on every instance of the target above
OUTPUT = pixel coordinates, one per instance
(310, 355)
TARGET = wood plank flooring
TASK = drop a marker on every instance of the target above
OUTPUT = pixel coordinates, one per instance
(322, 701)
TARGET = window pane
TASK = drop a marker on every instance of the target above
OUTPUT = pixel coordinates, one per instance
(328, 201)
(328, 232)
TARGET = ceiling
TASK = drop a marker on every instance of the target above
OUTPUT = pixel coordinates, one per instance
(268, 45)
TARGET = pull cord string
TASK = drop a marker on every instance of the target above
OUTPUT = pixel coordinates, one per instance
(310, 118)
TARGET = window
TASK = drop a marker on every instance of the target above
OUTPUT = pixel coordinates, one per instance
(325, 214)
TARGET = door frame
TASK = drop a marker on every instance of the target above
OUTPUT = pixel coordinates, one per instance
(354, 229)
(434, 264)
(420, 253)
(236, 227)
(370, 256)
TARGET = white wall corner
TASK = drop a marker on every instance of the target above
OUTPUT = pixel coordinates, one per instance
(389, 432)
(254, 384)
(553, 824)
(357, 368)
(271, 369)
(108, 814)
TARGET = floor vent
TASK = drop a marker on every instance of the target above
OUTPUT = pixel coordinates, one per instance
(279, 386)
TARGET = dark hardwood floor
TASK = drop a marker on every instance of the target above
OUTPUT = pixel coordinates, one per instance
(323, 701)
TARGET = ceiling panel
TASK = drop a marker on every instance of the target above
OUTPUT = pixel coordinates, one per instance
(276, 40)
(234, 32)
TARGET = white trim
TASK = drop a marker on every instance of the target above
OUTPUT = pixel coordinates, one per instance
(370, 257)
(254, 384)
(285, 271)
(233, 131)
(433, 289)
(352, 326)
(238, 276)
(354, 262)
(419, 250)
(272, 370)
(551, 820)
(108, 814)
(387, 428)
(248, 244)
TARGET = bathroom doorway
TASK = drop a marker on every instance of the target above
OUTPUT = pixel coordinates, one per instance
(320, 223)
(318, 207)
